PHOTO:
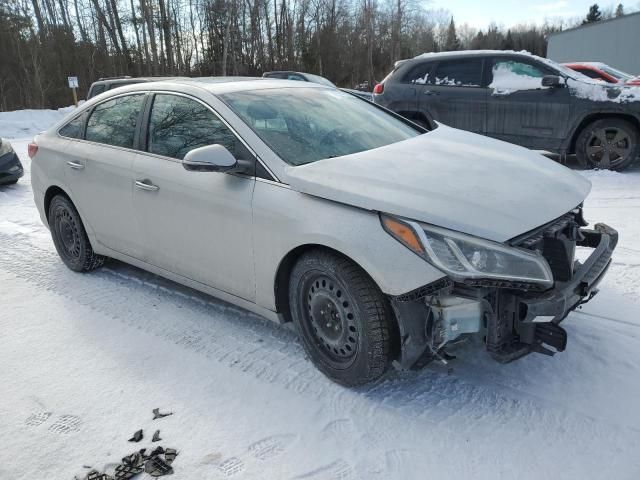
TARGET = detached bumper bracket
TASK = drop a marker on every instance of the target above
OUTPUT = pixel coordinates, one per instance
(551, 334)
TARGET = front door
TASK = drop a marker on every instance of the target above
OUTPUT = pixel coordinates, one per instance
(521, 110)
(453, 94)
(195, 224)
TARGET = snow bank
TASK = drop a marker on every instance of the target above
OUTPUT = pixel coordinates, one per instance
(25, 123)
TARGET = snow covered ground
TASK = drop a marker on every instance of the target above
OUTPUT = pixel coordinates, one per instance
(85, 358)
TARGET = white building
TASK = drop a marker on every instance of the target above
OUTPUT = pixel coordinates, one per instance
(614, 42)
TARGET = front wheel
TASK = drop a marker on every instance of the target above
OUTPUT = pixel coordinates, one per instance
(342, 317)
(609, 143)
(70, 237)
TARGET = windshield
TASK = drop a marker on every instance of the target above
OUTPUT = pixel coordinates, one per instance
(616, 73)
(304, 125)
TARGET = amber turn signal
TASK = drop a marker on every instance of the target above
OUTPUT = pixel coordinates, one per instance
(404, 233)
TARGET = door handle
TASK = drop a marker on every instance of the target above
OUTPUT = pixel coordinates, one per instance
(500, 93)
(142, 185)
(75, 165)
(431, 92)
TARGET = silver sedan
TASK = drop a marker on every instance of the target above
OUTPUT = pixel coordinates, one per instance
(382, 241)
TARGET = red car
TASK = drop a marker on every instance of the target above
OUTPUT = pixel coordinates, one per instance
(602, 71)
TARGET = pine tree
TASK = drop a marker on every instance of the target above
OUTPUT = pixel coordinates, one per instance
(619, 10)
(508, 44)
(452, 42)
(594, 15)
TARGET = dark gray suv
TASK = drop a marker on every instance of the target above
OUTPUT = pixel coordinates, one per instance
(519, 98)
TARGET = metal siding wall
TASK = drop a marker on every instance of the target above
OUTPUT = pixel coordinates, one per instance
(612, 42)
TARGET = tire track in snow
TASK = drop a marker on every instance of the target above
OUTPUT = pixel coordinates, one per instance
(247, 343)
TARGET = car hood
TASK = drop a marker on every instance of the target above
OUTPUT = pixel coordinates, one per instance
(450, 178)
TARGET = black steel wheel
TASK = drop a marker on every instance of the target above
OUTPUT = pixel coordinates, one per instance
(341, 316)
(329, 313)
(609, 144)
(70, 237)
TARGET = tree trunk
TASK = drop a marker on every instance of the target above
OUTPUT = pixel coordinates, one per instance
(166, 30)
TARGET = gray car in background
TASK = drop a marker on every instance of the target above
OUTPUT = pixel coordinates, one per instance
(380, 240)
(519, 98)
(10, 167)
(310, 77)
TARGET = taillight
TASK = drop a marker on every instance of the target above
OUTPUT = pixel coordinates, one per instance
(379, 88)
(33, 149)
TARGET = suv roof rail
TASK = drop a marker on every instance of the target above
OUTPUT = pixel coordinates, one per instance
(114, 78)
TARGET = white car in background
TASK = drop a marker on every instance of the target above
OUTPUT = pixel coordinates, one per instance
(381, 240)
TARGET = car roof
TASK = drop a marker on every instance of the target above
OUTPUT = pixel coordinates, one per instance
(219, 85)
(586, 64)
(283, 71)
(469, 54)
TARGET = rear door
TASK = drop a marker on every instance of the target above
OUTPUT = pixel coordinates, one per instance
(453, 94)
(99, 172)
(521, 110)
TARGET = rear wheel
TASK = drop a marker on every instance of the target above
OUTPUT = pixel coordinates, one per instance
(342, 317)
(609, 143)
(70, 237)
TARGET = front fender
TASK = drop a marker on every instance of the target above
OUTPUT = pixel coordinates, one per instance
(285, 220)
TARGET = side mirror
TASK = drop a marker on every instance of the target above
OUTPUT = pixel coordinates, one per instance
(552, 81)
(211, 158)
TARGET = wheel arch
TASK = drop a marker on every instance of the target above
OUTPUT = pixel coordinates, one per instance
(283, 272)
(51, 192)
(635, 121)
(281, 287)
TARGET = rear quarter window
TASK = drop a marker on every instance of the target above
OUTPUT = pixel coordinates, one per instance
(418, 73)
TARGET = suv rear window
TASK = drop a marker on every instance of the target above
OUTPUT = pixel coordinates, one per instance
(465, 72)
(419, 73)
(96, 89)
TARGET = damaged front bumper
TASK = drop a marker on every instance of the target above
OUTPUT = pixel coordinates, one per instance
(512, 321)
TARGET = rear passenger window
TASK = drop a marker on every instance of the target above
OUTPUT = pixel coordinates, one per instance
(114, 122)
(418, 74)
(459, 73)
(178, 125)
(74, 128)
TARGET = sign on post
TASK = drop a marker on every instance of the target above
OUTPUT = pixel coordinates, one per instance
(73, 84)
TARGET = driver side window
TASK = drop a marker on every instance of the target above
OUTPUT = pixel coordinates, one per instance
(179, 124)
(516, 75)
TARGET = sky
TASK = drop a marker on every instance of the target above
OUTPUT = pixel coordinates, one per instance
(512, 12)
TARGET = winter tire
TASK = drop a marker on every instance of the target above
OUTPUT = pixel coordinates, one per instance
(609, 143)
(342, 317)
(70, 237)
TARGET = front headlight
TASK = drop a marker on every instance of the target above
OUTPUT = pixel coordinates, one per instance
(466, 257)
(5, 147)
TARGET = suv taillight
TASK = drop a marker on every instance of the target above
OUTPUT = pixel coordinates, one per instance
(379, 88)
(33, 149)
